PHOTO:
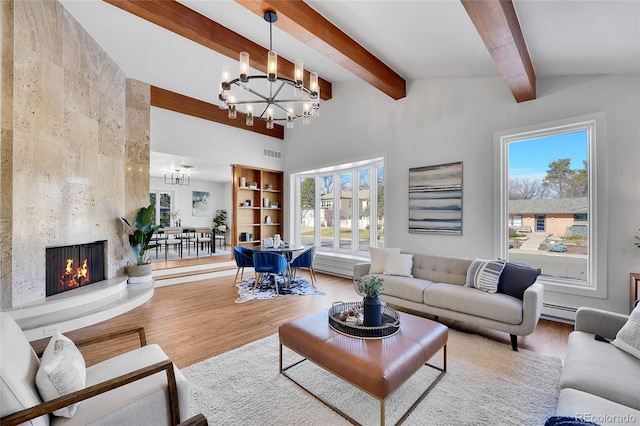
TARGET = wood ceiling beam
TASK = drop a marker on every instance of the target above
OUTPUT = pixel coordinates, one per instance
(176, 102)
(176, 17)
(305, 24)
(499, 28)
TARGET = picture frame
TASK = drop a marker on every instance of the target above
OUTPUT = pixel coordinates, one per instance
(435, 199)
(200, 204)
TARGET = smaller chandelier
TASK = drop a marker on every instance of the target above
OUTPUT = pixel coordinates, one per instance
(280, 99)
(180, 177)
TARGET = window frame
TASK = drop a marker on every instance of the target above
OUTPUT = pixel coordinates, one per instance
(595, 124)
(158, 193)
(354, 168)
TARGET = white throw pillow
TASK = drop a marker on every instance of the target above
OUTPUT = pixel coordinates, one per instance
(485, 274)
(398, 264)
(378, 256)
(62, 371)
(628, 338)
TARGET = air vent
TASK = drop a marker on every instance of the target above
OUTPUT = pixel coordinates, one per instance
(272, 154)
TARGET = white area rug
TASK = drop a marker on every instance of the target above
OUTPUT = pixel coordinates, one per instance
(486, 384)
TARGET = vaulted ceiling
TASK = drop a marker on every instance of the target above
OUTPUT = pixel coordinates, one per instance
(181, 46)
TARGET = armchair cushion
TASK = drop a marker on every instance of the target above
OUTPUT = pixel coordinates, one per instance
(62, 371)
(141, 402)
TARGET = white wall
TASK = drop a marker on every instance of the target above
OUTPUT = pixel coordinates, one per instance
(179, 134)
(448, 120)
(181, 196)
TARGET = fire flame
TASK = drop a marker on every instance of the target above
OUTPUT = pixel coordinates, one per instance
(83, 272)
(70, 280)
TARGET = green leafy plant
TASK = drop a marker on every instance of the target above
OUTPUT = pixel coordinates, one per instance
(141, 233)
(220, 218)
(637, 243)
(371, 286)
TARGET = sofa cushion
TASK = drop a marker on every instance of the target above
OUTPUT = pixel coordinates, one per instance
(494, 306)
(601, 369)
(378, 257)
(628, 338)
(398, 264)
(516, 278)
(404, 287)
(586, 406)
(62, 371)
(441, 269)
(484, 274)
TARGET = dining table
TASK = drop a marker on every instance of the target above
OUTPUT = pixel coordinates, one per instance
(287, 251)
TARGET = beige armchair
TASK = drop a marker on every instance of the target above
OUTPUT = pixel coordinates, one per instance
(139, 387)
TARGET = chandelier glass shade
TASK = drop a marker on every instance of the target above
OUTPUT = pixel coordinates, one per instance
(270, 97)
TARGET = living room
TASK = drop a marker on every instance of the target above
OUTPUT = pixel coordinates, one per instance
(77, 142)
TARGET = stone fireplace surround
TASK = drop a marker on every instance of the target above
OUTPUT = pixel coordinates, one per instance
(75, 158)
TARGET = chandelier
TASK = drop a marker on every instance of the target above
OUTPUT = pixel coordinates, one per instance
(180, 177)
(270, 97)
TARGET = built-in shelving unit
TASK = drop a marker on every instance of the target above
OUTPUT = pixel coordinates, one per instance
(257, 204)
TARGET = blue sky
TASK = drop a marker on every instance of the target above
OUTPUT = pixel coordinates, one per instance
(531, 158)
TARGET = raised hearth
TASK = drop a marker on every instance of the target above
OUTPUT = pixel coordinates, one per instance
(80, 307)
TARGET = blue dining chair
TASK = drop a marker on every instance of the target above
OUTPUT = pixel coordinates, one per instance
(269, 263)
(305, 260)
(244, 258)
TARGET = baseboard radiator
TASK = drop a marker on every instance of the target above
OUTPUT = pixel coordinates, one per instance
(335, 265)
(560, 312)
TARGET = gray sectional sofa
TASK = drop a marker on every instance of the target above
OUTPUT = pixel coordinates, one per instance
(437, 287)
(599, 382)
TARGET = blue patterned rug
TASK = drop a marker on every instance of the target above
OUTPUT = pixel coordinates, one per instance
(266, 289)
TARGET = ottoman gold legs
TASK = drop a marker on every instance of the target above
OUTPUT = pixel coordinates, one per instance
(442, 370)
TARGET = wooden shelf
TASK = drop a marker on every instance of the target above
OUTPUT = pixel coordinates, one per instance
(252, 219)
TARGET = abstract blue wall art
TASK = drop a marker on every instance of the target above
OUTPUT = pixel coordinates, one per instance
(435, 199)
(200, 203)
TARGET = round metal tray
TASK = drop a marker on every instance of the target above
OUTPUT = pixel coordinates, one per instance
(390, 322)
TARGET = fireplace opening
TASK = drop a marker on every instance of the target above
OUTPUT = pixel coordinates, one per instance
(70, 267)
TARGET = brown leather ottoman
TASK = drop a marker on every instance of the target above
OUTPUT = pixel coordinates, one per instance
(375, 366)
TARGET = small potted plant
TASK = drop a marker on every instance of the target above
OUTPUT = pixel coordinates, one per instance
(372, 288)
(140, 241)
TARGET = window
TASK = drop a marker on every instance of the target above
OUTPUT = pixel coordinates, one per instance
(162, 214)
(306, 201)
(546, 193)
(333, 215)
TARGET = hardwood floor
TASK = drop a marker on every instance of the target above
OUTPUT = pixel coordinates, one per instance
(195, 321)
